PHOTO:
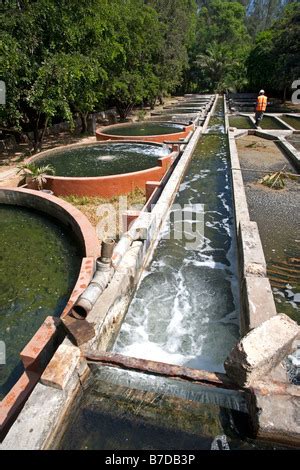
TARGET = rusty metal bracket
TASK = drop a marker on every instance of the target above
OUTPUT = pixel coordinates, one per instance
(213, 379)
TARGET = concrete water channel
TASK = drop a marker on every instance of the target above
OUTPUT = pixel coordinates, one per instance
(166, 376)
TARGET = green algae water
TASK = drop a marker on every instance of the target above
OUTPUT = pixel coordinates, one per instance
(292, 121)
(241, 122)
(268, 122)
(104, 159)
(294, 140)
(196, 324)
(145, 129)
(39, 265)
(181, 111)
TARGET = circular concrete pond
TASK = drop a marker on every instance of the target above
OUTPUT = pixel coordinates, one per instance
(40, 262)
(104, 159)
(105, 169)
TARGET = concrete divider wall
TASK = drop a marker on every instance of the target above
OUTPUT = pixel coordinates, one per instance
(291, 151)
(257, 301)
(62, 379)
(39, 350)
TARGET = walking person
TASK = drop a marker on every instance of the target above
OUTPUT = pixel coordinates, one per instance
(261, 106)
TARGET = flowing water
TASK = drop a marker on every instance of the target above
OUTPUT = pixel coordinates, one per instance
(104, 159)
(144, 129)
(181, 111)
(185, 311)
(39, 264)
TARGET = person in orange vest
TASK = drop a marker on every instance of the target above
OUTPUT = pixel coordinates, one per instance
(261, 106)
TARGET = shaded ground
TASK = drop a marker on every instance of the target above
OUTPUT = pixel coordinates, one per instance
(277, 215)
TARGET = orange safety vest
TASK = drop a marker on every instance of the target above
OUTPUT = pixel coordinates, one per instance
(262, 102)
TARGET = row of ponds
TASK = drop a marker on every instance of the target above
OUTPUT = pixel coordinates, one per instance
(185, 310)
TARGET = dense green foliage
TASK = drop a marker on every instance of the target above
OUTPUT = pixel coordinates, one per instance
(62, 59)
(274, 61)
(221, 47)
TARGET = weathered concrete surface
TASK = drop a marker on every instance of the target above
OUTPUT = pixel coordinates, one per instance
(291, 151)
(46, 408)
(252, 258)
(276, 418)
(61, 367)
(239, 195)
(109, 310)
(261, 350)
(258, 303)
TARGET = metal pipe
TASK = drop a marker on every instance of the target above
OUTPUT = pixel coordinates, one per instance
(102, 277)
(106, 265)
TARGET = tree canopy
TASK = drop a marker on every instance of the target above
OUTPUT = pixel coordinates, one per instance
(62, 59)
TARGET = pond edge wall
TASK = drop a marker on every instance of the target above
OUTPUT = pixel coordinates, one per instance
(38, 351)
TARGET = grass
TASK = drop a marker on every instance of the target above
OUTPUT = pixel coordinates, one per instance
(107, 220)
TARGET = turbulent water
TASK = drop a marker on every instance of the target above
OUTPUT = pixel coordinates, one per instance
(39, 263)
(185, 310)
(104, 159)
(241, 122)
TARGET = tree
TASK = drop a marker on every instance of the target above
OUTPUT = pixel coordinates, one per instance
(132, 74)
(221, 47)
(52, 61)
(274, 62)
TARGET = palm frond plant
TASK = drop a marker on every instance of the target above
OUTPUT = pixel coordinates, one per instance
(35, 174)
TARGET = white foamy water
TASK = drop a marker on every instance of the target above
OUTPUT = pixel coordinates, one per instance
(185, 310)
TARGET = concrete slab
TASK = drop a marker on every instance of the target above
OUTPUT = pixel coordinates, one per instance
(277, 418)
(261, 350)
